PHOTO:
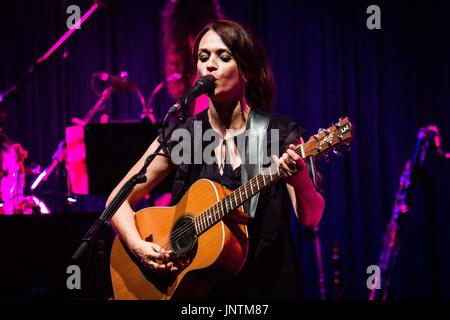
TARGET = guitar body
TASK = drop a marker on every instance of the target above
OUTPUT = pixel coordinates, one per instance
(219, 251)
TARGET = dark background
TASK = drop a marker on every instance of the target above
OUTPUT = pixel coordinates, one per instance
(327, 64)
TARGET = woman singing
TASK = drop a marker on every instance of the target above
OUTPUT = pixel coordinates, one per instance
(243, 88)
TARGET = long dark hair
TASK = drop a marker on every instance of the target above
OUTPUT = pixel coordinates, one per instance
(251, 59)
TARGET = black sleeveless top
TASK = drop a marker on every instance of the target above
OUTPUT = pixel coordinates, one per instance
(271, 270)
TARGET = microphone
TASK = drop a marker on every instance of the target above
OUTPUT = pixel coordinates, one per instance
(121, 83)
(204, 85)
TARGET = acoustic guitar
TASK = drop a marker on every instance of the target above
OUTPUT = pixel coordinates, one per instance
(206, 231)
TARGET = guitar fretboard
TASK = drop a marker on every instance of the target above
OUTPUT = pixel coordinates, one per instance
(316, 145)
(232, 201)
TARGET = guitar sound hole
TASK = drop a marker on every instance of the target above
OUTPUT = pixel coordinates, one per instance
(183, 238)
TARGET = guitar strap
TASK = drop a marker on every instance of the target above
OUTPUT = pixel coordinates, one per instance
(257, 124)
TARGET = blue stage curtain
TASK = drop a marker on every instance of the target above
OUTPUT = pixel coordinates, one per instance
(326, 63)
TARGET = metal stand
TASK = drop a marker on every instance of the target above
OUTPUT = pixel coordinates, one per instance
(4, 96)
(60, 154)
(391, 238)
(93, 241)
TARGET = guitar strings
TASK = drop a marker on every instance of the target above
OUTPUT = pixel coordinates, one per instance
(203, 218)
(178, 234)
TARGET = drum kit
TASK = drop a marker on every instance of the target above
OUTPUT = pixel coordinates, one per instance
(13, 173)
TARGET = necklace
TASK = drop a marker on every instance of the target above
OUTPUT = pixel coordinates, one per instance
(224, 156)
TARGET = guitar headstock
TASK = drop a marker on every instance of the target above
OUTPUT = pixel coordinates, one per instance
(326, 140)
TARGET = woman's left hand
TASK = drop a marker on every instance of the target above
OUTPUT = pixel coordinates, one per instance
(290, 164)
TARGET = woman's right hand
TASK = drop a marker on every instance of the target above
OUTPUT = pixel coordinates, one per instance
(154, 257)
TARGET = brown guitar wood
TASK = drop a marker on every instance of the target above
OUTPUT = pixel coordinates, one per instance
(222, 248)
(220, 251)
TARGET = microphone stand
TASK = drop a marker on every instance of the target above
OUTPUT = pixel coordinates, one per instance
(94, 238)
(391, 238)
(147, 111)
(61, 152)
(4, 96)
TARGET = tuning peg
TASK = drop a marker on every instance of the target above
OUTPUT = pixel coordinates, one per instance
(326, 157)
(337, 152)
(326, 131)
(329, 141)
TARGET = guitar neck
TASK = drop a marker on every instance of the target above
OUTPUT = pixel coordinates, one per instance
(235, 199)
(317, 144)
